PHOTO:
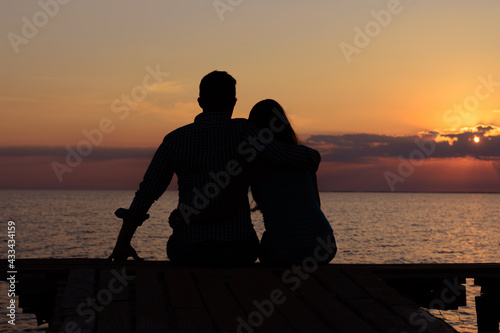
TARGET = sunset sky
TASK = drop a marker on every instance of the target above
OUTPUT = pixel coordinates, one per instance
(392, 93)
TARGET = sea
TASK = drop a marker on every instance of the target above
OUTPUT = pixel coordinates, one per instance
(394, 228)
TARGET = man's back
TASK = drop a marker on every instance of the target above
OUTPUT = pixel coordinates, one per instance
(204, 156)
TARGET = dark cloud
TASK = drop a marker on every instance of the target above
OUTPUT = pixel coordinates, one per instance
(363, 148)
(94, 153)
(349, 148)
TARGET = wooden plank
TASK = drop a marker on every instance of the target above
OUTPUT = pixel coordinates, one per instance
(189, 310)
(108, 281)
(208, 275)
(334, 312)
(328, 307)
(152, 314)
(222, 307)
(115, 317)
(343, 283)
(306, 286)
(300, 317)
(336, 282)
(57, 317)
(380, 317)
(259, 306)
(192, 320)
(337, 315)
(77, 324)
(79, 287)
(439, 271)
(467, 270)
(375, 287)
(243, 273)
(182, 289)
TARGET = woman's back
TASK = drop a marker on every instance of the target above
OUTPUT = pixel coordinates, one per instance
(292, 214)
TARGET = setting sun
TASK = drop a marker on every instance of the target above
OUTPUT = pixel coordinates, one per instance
(476, 139)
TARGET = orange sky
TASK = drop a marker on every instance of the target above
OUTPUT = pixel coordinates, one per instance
(131, 70)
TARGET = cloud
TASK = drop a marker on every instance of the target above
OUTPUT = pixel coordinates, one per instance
(19, 99)
(347, 148)
(184, 111)
(364, 148)
(351, 162)
(169, 87)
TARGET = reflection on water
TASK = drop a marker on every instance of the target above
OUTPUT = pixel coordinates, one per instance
(369, 228)
(25, 322)
(415, 228)
(464, 319)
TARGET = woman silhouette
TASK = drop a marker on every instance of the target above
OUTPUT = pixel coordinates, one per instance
(296, 228)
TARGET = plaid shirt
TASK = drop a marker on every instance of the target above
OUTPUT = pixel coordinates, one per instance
(202, 155)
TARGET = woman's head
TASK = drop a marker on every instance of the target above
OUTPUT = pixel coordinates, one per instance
(269, 114)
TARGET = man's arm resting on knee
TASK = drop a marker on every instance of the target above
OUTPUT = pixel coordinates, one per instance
(155, 182)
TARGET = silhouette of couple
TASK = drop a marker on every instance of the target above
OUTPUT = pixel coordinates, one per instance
(216, 160)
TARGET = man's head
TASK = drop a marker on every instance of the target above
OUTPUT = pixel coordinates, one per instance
(217, 92)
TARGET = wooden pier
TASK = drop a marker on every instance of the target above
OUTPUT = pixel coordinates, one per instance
(94, 295)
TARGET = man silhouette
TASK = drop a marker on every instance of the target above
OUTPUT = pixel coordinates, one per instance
(209, 157)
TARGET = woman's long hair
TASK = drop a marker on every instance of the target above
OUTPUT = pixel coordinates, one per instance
(268, 114)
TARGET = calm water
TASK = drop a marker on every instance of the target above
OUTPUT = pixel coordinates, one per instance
(369, 227)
